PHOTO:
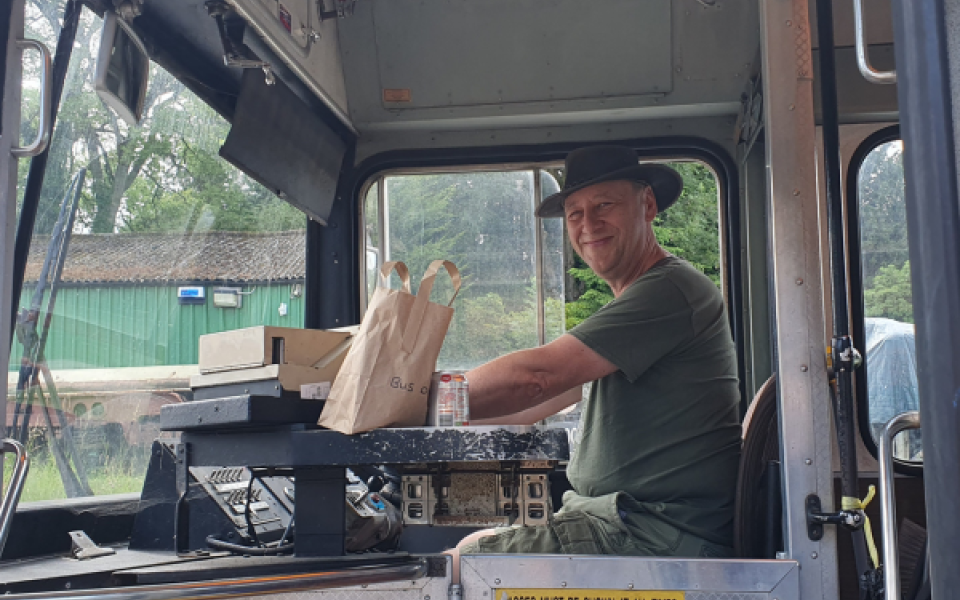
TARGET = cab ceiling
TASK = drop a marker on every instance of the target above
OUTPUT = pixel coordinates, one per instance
(398, 70)
(475, 64)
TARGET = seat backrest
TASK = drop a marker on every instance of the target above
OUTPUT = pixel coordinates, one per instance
(757, 511)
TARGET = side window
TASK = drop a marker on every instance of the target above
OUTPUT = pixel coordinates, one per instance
(887, 305)
(145, 239)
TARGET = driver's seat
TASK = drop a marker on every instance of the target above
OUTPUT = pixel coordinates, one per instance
(757, 531)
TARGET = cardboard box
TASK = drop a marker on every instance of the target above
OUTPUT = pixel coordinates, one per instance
(295, 357)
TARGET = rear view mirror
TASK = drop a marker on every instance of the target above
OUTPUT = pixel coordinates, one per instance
(123, 69)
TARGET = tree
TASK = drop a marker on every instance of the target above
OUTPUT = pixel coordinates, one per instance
(890, 295)
(882, 211)
(163, 175)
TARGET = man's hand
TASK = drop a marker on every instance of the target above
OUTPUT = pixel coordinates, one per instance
(525, 379)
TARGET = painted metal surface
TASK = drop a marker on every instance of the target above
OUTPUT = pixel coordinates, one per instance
(308, 46)
(707, 49)
(436, 586)
(240, 588)
(413, 445)
(926, 43)
(794, 216)
(114, 327)
(481, 575)
(456, 46)
(10, 113)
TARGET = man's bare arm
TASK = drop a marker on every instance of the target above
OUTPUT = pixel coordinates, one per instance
(522, 380)
(537, 413)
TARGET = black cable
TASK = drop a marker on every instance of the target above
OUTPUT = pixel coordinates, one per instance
(241, 549)
(251, 530)
(286, 532)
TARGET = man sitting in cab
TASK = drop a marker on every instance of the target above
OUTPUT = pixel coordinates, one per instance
(656, 469)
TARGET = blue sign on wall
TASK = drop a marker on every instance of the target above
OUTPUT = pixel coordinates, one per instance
(191, 295)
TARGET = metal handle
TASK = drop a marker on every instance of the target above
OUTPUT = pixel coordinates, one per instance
(888, 508)
(46, 102)
(863, 60)
(12, 497)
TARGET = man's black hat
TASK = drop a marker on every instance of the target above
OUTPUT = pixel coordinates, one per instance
(596, 164)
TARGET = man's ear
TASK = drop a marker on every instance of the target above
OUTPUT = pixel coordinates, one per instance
(650, 205)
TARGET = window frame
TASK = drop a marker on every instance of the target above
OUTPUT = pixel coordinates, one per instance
(856, 291)
(668, 148)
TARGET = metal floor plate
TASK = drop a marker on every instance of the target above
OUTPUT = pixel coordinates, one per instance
(698, 579)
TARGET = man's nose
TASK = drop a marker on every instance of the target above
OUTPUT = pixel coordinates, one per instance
(591, 222)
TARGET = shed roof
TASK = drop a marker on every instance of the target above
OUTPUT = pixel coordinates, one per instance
(158, 257)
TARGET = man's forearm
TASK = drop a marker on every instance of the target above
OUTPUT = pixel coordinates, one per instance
(524, 379)
(507, 385)
(541, 411)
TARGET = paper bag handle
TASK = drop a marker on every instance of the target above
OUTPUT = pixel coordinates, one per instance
(388, 267)
(412, 329)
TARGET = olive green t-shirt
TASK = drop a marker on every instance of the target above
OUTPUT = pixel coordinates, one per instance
(664, 428)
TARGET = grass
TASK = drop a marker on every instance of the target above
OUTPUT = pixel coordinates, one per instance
(115, 476)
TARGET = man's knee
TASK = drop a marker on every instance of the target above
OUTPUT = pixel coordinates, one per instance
(474, 537)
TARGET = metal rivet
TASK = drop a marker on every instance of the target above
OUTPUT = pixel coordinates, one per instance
(799, 281)
(807, 461)
(789, 23)
(563, 584)
(630, 586)
(813, 555)
(796, 192)
(67, 585)
(803, 368)
(496, 581)
(792, 107)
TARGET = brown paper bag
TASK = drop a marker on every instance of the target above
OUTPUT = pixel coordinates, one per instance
(385, 378)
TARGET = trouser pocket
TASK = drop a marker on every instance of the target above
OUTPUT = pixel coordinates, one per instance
(576, 533)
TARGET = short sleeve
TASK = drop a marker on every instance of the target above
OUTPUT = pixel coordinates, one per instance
(647, 322)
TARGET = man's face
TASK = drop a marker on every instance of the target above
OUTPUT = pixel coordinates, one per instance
(609, 226)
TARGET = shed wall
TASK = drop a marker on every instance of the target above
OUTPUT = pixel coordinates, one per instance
(141, 326)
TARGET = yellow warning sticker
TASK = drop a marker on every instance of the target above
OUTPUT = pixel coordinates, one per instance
(579, 594)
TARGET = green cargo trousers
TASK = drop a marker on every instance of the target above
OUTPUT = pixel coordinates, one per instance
(598, 526)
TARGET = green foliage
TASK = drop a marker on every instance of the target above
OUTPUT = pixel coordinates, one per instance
(163, 175)
(882, 211)
(883, 234)
(890, 295)
(596, 294)
(689, 229)
(484, 223)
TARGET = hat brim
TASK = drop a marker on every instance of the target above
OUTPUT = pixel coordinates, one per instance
(666, 183)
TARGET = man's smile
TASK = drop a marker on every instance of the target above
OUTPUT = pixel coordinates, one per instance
(596, 243)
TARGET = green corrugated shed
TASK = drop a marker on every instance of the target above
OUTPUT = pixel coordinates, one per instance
(100, 326)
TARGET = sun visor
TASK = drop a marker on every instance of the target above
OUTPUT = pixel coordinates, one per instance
(279, 141)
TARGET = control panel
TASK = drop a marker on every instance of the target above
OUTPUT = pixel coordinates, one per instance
(463, 495)
(259, 508)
